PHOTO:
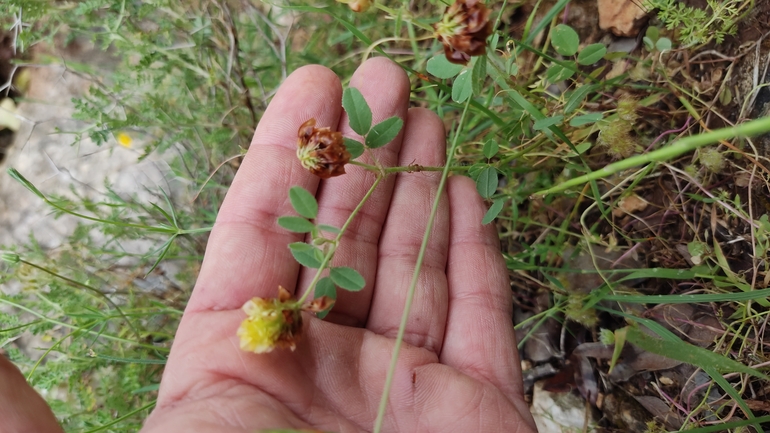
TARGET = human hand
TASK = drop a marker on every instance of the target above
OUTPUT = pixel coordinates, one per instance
(458, 369)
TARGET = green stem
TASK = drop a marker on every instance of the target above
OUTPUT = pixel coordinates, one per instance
(394, 13)
(155, 229)
(414, 168)
(148, 406)
(505, 161)
(87, 287)
(687, 144)
(84, 329)
(330, 254)
(416, 274)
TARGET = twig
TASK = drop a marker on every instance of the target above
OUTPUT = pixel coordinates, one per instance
(670, 131)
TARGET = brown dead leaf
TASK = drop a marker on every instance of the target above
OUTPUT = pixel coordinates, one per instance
(625, 412)
(633, 359)
(618, 68)
(758, 405)
(596, 258)
(661, 410)
(621, 17)
(629, 204)
(699, 327)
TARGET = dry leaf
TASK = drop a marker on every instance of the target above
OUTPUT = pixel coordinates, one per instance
(661, 410)
(629, 204)
(8, 117)
(621, 17)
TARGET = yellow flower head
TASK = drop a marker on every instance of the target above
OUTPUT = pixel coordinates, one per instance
(124, 140)
(271, 322)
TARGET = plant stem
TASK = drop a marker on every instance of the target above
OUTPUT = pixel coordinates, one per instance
(94, 290)
(413, 168)
(416, 274)
(394, 13)
(330, 254)
(161, 228)
(148, 406)
(85, 329)
(687, 144)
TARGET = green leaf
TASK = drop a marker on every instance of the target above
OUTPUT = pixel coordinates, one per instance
(325, 287)
(730, 426)
(686, 352)
(663, 44)
(580, 149)
(547, 122)
(347, 278)
(490, 148)
(557, 73)
(303, 202)
(591, 54)
(653, 33)
(493, 211)
(440, 67)
(384, 132)
(15, 175)
(619, 338)
(307, 255)
(486, 184)
(525, 104)
(565, 40)
(648, 43)
(511, 67)
(359, 113)
(577, 97)
(354, 147)
(296, 224)
(475, 170)
(478, 74)
(732, 392)
(662, 273)
(328, 228)
(689, 299)
(462, 88)
(585, 119)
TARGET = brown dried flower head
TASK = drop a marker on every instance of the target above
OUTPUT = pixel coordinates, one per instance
(360, 5)
(321, 151)
(463, 30)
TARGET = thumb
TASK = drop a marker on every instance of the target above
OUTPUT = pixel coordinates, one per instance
(22, 410)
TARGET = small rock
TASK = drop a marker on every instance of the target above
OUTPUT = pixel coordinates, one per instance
(621, 17)
(559, 412)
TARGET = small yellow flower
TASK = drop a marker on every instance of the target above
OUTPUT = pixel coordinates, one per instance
(271, 322)
(124, 140)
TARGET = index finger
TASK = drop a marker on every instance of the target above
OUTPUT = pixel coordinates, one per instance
(247, 253)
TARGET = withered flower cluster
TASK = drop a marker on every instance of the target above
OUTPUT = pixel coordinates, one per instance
(275, 322)
(463, 30)
(321, 151)
(360, 5)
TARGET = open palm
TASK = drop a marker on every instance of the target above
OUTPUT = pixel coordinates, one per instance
(458, 370)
